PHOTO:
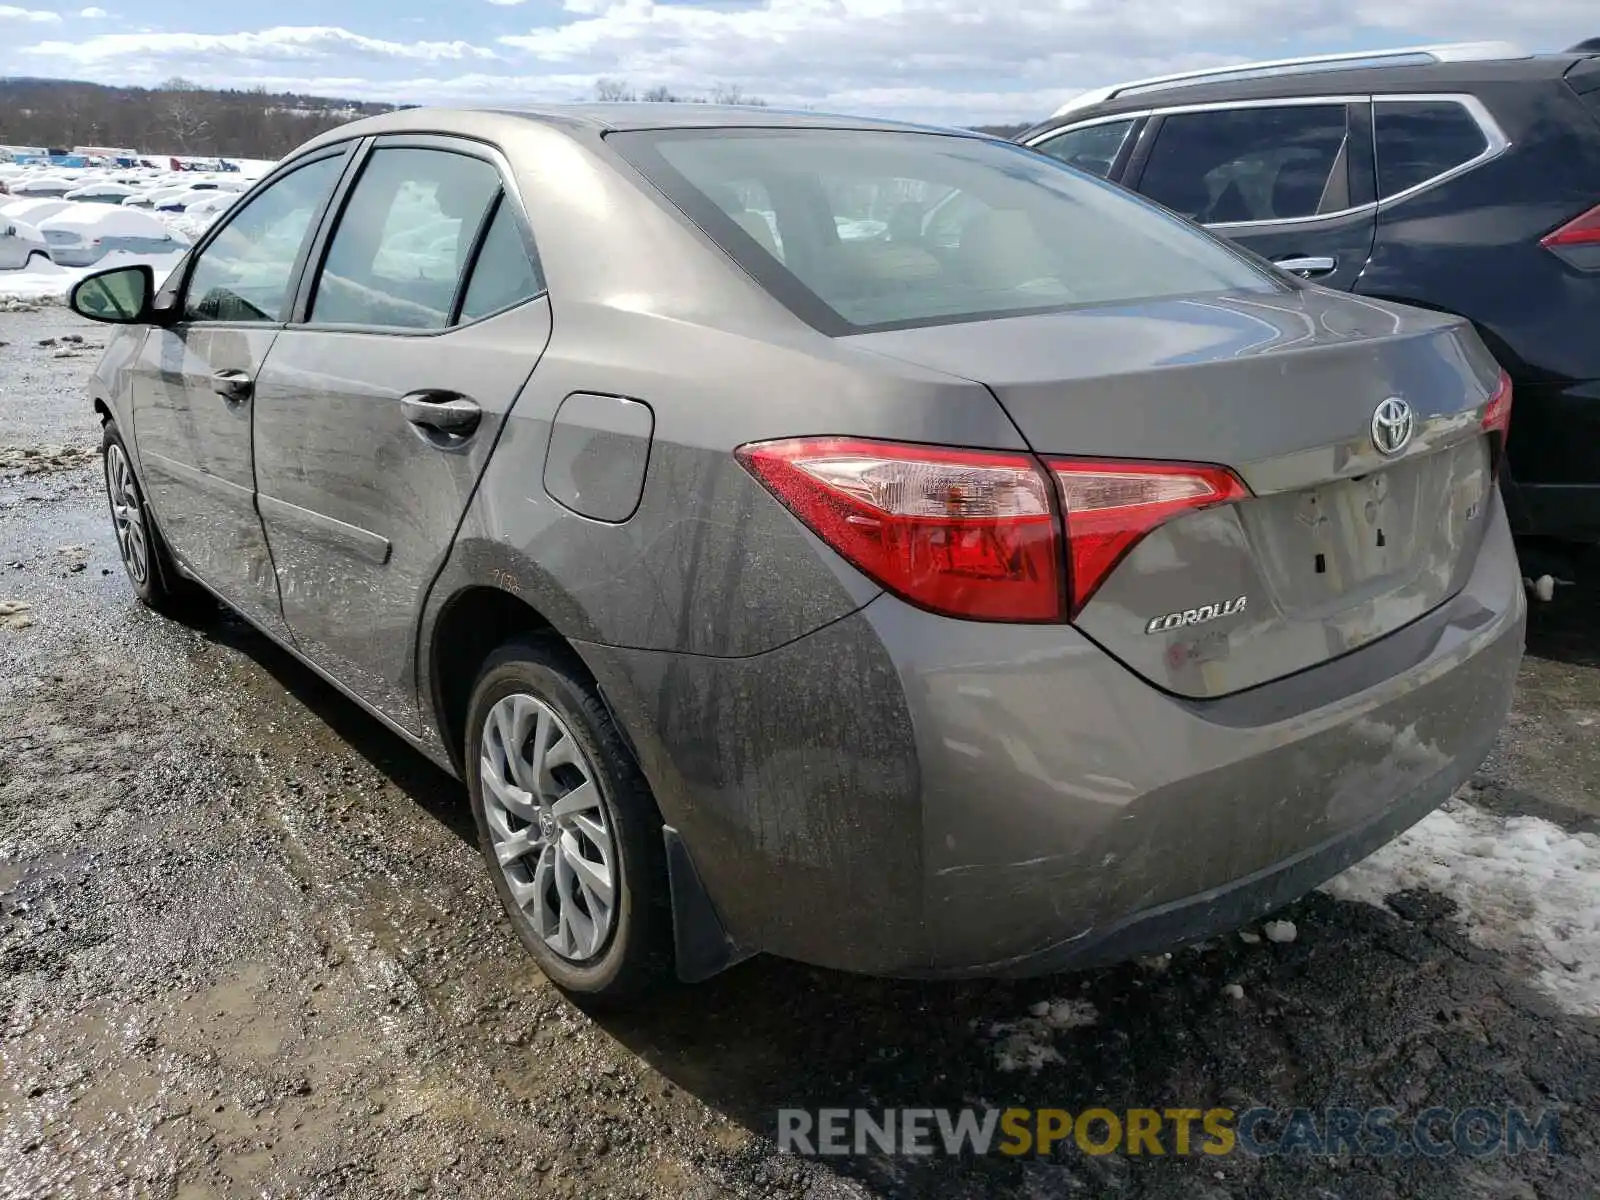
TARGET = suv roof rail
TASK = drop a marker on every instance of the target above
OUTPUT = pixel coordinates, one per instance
(1409, 56)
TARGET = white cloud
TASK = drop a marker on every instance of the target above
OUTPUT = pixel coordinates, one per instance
(166, 52)
(958, 61)
(94, 14)
(34, 16)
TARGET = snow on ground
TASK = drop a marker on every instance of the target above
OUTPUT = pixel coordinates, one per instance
(46, 283)
(1523, 886)
(1027, 1044)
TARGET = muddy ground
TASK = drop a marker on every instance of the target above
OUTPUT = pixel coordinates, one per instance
(247, 948)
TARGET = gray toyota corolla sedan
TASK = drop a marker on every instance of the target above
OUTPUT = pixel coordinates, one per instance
(873, 545)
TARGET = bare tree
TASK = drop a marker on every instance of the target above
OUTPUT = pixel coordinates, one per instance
(183, 112)
(611, 90)
(732, 93)
(661, 94)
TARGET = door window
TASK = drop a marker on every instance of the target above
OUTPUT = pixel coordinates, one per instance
(1419, 140)
(1265, 163)
(503, 274)
(402, 242)
(1093, 148)
(244, 273)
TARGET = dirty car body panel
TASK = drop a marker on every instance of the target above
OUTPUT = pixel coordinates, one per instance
(864, 777)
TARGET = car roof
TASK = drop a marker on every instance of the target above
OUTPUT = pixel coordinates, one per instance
(615, 117)
(1437, 69)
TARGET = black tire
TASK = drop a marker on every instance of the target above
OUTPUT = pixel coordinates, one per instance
(159, 585)
(637, 956)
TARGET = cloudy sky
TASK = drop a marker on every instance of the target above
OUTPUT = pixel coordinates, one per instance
(941, 60)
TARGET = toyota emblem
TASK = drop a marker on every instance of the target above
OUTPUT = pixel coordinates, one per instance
(1392, 426)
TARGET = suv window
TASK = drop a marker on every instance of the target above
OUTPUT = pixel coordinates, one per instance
(1092, 148)
(884, 229)
(503, 275)
(1266, 163)
(1418, 140)
(402, 242)
(243, 273)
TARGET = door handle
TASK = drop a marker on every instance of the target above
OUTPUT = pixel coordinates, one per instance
(441, 412)
(1307, 265)
(233, 386)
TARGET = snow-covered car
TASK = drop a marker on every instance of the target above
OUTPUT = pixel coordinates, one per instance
(20, 243)
(42, 185)
(151, 197)
(86, 233)
(32, 209)
(101, 191)
(184, 200)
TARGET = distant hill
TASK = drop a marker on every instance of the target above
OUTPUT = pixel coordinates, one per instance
(1005, 131)
(175, 118)
(181, 118)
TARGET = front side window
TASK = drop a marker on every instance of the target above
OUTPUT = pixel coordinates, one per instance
(1093, 148)
(402, 242)
(1419, 140)
(1267, 163)
(864, 229)
(244, 273)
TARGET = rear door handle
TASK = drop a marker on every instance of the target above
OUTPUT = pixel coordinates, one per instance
(442, 412)
(233, 386)
(1307, 265)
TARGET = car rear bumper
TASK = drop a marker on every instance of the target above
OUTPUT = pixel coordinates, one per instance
(1552, 485)
(904, 794)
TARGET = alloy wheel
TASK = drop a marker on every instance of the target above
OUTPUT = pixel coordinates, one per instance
(551, 833)
(127, 515)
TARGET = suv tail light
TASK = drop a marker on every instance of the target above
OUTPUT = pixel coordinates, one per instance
(977, 533)
(968, 533)
(1109, 506)
(1580, 231)
(1497, 418)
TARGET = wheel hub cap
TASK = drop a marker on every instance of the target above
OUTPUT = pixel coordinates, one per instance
(551, 834)
(126, 517)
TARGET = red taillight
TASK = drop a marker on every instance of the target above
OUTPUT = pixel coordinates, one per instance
(1497, 416)
(974, 533)
(968, 533)
(1108, 506)
(1580, 231)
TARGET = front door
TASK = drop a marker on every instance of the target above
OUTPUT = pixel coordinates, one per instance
(193, 388)
(376, 414)
(1290, 182)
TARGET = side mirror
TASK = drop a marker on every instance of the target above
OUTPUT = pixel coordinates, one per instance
(119, 296)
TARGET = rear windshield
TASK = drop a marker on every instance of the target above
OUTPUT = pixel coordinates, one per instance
(862, 230)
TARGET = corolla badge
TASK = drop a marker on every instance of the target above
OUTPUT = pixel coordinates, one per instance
(1197, 616)
(1392, 426)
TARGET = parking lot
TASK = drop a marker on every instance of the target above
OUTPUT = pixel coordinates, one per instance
(247, 947)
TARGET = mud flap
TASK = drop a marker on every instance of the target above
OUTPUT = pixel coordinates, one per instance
(702, 945)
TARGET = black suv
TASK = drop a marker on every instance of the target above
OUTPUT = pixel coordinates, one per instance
(1463, 178)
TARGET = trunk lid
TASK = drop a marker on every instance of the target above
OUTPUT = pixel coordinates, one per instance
(1340, 543)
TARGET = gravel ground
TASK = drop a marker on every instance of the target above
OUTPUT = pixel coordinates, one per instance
(247, 948)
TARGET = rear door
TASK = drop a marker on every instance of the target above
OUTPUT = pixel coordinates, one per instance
(377, 410)
(193, 385)
(1291, 182)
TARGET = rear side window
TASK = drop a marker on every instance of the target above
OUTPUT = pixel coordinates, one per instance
(864, 229)
(401, 246)
(1268, 163)
(1094, 148)
(503, 275)
(1419, 140)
